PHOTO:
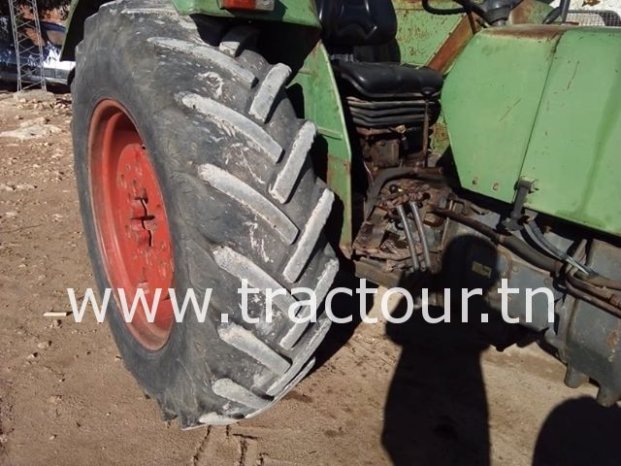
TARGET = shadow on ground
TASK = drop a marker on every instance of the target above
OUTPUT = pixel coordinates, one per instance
(436, 412)
(580, 432)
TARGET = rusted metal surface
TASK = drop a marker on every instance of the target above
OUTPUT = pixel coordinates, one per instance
(382, 237)
(529, 12)
(547, 32)
(456, 42)
(421, 34)
(376, 273)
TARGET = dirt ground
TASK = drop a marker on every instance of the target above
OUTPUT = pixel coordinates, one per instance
(381, 395)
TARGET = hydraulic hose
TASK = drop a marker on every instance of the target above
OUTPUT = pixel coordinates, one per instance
(600, 298)
(581, 289)
(584, 272)
(510, 242)
(534, 229)
(598, 280)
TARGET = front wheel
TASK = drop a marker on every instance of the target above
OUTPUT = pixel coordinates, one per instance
(193, 174)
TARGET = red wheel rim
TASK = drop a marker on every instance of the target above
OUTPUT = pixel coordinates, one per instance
(130, 220)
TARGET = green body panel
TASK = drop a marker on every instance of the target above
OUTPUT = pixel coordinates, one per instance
(574, 155)
(421, 34)
(302, 12)
(541, 103)
(490, 101)
(322, 105)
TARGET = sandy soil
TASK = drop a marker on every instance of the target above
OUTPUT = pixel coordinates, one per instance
(381, 395)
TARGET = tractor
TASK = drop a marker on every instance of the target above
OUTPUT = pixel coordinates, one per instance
(279, 143)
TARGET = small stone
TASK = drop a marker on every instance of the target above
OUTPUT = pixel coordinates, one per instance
(32, 356)
(44, 344)
(52, 437)
(55, 399)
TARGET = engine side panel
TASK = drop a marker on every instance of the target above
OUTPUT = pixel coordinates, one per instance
(574, 153)
(490, 102)
(541, 103)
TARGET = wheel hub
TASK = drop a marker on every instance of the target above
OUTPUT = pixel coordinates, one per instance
(131, 221)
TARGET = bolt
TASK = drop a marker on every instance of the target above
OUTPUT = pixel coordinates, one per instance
(496, 186)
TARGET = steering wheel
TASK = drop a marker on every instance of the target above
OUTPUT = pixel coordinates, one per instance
(495, 12)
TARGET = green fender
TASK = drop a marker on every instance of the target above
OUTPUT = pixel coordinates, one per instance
(301, 12)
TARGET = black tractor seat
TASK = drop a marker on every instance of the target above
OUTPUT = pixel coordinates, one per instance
(357, 22)
(389, 80)
(379, 94)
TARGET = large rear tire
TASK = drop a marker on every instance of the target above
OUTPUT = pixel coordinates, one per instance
(230, 161)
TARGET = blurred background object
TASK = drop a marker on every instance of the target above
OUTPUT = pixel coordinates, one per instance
(594, 12)
(32, 33)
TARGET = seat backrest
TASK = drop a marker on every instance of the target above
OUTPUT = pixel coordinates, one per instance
(357, 22)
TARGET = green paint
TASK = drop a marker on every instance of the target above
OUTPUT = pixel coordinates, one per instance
(575, 149)
(490, 101)
(543, 104)
(421, 34)
(302, 12)
(322, 105)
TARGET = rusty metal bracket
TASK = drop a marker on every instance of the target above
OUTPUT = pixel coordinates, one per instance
(523, 189)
